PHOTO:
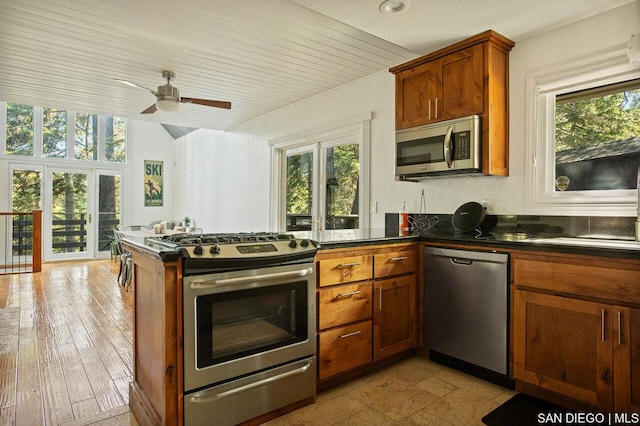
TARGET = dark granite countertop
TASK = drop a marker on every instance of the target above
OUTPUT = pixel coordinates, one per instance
(499, 239)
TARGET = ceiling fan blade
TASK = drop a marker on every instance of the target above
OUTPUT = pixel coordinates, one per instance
(132, 84)
(153, 108)
(207, 102)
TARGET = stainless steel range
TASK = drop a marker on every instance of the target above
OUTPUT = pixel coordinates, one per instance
(248, 325)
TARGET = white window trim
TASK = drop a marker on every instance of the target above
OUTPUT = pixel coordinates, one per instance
(357, 128)
(541, 90)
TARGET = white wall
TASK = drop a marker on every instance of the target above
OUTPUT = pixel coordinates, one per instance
(147, 141)
(223, 179)
(230, 171)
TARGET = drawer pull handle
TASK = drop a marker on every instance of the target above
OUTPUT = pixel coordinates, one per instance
(398, 259)
(355, 333)
(343, 295)
(348, 265)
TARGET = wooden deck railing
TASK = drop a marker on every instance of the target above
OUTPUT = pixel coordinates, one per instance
(21, 237)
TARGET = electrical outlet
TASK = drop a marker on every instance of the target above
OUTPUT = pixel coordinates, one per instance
(490, 205)
(374, 207)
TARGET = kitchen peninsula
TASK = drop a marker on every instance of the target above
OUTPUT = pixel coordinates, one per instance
(361, 269)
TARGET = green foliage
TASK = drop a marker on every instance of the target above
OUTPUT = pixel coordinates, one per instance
(599, 119)
(26, 186)
(342, 188)
(54, 133)
(299, 183)
(19, 129)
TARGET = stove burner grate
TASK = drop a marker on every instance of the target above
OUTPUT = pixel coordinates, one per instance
(224, 238)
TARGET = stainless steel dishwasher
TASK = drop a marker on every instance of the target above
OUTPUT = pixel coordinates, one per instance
(466, 311)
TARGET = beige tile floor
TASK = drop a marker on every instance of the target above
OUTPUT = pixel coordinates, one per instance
(414, 391)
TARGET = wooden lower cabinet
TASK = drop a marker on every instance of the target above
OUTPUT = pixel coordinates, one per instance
(582, 349)
(562, 345)
(366, 300)
(394, 316)
(626, 360)
(344, 348)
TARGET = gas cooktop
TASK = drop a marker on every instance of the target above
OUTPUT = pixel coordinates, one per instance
(186, 239)
(236, 250)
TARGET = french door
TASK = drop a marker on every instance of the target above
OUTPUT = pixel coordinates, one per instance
(322, 186)
(321, 178)
(68, 217)
(81, 207)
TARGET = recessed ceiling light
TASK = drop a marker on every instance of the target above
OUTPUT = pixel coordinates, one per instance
(394, 6)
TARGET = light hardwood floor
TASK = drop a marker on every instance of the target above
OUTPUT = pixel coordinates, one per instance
(72, 361)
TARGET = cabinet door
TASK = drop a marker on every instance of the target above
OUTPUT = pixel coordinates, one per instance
(462, 84)
(394, 315)
(342, 304)
(416, 92)
(564, 345)
(344, 348)
(627, 360)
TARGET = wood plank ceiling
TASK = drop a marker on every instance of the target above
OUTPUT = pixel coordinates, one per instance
(259, 55)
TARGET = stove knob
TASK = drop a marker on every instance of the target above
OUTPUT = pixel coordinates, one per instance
(198, 250)
(293, 244)
(214, 249)
(304, 243)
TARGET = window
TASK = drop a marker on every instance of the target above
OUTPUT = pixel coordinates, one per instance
(322, 179)
(19, 129)
(584, 138)
(54, 133)
(597, 138)
(86, 140)
(45, 132)
(115, 139)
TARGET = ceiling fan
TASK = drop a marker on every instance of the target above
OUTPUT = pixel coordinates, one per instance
(169, 98)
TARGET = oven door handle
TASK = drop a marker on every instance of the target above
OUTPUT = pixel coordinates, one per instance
(204, 397)
(195, 285)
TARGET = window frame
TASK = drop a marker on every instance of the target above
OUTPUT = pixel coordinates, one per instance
(38, 143)
(541, 91)
(351, 130)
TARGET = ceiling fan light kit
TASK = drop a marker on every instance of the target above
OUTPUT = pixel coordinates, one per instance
(167, 105)
(168, 96)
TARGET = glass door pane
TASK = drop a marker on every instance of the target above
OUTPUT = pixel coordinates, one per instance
(299, 191)
(70, 216)
(109, 191)
(26, 196)
(342, 174)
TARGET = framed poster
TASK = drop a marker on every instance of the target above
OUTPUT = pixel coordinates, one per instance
(153, 184)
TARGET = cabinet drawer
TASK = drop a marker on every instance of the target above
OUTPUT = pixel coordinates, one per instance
(344, 304)
(401, 262)
(345, 270)
(344, 348)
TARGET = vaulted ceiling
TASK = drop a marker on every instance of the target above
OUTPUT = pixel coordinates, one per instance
(260, 55)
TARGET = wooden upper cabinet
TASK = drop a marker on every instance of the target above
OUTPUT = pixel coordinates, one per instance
(466, 78)
(461, 76)
(445, 88)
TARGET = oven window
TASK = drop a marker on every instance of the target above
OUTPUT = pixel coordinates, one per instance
(236, 324)
(420, 151)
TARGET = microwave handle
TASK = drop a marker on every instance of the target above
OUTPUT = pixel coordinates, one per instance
(447, 146)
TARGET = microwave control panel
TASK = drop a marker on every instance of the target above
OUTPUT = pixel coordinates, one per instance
(462, 145)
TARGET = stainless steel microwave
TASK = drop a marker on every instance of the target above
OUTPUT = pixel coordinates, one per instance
(445, 148)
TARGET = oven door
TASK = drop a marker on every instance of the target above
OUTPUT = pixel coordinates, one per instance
(241, 322)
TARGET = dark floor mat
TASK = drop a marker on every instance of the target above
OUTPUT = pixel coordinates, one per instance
(524, 410)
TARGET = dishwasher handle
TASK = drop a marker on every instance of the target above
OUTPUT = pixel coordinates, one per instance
(461, 261)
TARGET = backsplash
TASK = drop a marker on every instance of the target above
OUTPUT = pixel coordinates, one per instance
(521, 226)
